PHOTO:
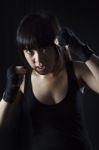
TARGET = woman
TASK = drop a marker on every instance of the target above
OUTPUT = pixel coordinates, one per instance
(51, 84)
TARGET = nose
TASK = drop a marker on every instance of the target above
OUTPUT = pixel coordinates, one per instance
(37, 59)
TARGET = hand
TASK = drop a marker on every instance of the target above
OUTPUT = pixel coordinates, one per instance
(14, 79)
(67, 38)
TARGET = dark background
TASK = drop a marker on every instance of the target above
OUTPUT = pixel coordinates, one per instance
(81, 16)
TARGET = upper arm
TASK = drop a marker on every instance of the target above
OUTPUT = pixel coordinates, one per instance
(86, 77)
(19, 94)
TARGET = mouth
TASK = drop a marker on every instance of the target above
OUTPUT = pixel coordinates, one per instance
(40, 68)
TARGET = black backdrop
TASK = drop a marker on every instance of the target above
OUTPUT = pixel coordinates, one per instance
(81, 16)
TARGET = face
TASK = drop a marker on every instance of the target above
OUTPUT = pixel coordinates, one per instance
(42, 60)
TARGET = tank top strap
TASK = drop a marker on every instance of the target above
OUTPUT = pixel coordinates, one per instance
(70, 71)
(27, 93)
(27, 77)
(72, 85)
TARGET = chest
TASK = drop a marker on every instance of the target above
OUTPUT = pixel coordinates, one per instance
(50, 91)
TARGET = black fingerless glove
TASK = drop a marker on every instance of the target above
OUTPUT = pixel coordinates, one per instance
(67, 37)
(11, 85)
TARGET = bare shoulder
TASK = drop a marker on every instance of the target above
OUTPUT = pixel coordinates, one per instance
(78, 66)
(81, 69)
(85, 76)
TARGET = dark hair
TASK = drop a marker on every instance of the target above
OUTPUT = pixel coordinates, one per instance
(37, 30)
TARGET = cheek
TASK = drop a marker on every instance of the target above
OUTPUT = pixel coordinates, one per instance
(28, 58)
(51, 59)
(25, 55)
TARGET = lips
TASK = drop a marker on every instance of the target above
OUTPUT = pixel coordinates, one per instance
(40, 68)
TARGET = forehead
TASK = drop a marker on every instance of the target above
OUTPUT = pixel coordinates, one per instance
(50, 48)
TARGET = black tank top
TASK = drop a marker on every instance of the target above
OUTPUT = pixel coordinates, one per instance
(57, 126)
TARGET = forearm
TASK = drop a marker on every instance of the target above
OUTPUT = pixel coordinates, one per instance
(93, 65)
(80, 49)
(4, 112)
(8, 111)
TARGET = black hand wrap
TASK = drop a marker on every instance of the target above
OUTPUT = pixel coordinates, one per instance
(67, 37)
(11, 85)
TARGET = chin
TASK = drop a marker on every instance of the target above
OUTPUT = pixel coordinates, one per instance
(45, 72)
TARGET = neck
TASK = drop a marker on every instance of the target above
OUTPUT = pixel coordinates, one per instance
(57, 69)
(59, 64)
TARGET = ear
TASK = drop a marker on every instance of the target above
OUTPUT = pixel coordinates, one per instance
(56, 42)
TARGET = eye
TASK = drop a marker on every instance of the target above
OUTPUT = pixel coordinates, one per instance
(44, 51)
(30, 52)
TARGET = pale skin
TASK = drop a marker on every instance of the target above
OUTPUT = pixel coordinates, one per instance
(51, 86)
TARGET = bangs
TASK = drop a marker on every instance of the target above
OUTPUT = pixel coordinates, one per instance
(26, 41)
(26, 34)
(36, 31)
